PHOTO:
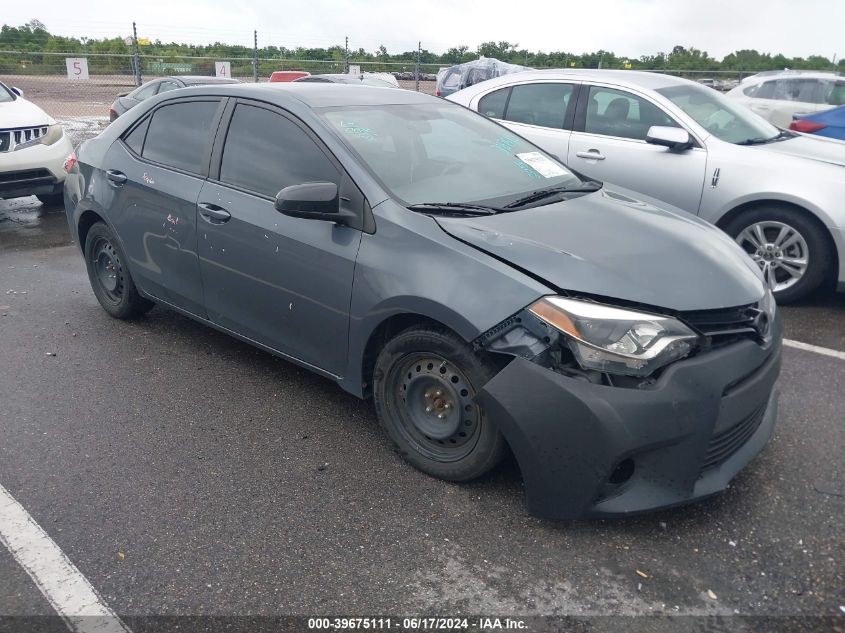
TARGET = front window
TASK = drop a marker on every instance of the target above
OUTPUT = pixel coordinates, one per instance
(833, 93)
(618, 113)
(442, 152)
(719, 116)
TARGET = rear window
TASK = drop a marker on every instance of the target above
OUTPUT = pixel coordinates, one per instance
(179, 135)
(539, 104)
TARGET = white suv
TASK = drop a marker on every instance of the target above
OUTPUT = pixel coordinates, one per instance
(777, 96)
(33, 149)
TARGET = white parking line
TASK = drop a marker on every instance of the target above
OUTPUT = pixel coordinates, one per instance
(66, 589)
(814, 348)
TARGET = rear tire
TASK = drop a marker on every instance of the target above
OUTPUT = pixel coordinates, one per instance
(109, 275)
(424, 383)
(791, 249)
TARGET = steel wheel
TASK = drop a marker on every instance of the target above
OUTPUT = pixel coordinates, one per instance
(107, 269)
(434, 402)
(780, 251)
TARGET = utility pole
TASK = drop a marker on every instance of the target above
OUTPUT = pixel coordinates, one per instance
(137, 55)
(417, 69)
(346, 57)
(255, 56)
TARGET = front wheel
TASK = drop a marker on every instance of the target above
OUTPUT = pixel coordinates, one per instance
(424, 384)
(791, 250)
(109, 276)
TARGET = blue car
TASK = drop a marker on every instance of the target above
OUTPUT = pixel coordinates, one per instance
(830, 123)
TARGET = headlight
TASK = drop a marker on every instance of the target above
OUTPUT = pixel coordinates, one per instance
(616, 340)
(50, 137)
(54, 133)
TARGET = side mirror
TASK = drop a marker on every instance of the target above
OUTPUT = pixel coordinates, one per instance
(674, 138)
(312, 201)
(17, 91)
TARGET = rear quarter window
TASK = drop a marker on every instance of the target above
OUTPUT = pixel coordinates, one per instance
(135, 138)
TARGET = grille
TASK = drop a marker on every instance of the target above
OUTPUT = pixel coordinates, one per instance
(10, 139)
(729, 441)
(726, 325)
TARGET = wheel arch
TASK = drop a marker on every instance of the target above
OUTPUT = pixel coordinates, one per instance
(381, 334)
(87, 219)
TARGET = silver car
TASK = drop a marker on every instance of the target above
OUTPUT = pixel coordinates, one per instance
(778, 194)
(778, 97)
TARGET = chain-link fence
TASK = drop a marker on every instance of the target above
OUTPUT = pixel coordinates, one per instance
(82, 104)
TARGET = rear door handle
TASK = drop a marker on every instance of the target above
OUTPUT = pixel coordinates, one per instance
(117, 177)
(593, 154)
(214, 214)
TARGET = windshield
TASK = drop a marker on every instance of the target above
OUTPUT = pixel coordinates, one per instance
(441, 152)
(719, 116)
(5, 93)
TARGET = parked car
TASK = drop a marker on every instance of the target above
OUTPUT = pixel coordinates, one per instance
(830, 123)
(454, 78)
(287, 75)
(364, 79)
(689, 146)
(129, 100)
(480, 292)
(777, 97)
(33, 149)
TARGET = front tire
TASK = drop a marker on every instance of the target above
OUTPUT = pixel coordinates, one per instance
(792, 250)
(109, 276)
(424, 384)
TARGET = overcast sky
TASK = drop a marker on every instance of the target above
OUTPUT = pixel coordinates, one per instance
(627, 27)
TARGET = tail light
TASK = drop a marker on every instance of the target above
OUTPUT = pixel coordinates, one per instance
(70, 161)
(112, 113)
(436, 93)
(805, 126)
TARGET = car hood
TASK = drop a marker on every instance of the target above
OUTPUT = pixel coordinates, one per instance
(819, 149)
(609, 243)
(22, 113)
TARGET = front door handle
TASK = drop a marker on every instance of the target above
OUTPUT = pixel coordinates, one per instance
(117, 177)
(593, 154)
(214, 214)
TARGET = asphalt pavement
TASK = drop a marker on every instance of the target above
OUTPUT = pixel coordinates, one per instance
(186, 473)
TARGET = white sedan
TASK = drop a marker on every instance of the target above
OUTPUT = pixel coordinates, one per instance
(33, 150)
(777, 97)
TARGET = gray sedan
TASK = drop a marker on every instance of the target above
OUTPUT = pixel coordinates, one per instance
(483, 295)
(778, 194)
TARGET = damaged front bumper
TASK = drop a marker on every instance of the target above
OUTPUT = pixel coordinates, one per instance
(589, 449)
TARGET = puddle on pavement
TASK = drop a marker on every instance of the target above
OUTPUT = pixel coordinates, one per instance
(27, 223)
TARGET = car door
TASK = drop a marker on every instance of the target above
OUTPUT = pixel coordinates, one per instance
(542, 112)
(281, 281)
(608, 144)
(155, 172)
